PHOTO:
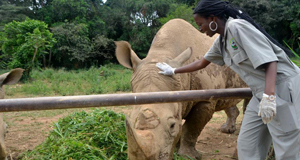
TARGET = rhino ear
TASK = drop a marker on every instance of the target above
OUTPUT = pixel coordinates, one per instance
(11, 77)
(181, 58)
(126, 56)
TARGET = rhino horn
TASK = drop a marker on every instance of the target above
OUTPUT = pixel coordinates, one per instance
(126, 56)
(141, 143)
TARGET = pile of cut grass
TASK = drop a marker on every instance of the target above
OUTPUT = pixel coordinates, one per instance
(97, 135)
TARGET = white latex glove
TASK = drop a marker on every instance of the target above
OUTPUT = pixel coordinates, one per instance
(267, 108)
(165, 69)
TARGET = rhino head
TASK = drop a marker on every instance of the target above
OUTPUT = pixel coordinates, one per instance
(8, 78)
(153, 130)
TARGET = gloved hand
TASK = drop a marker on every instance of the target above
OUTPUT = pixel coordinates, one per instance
(166, 69)
(267, 108)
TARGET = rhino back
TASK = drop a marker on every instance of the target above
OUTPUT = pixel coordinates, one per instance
(176, 36)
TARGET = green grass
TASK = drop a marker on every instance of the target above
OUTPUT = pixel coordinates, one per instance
(97, 135)
(296, 61)
(51, 82)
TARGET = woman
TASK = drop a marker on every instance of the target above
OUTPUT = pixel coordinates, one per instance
(273, 113)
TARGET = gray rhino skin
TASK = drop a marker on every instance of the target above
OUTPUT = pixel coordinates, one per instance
(9, 78)
(154, 130)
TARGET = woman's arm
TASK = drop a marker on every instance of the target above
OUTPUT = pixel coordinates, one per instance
(267, 106)
(271, 72)
(194, 66)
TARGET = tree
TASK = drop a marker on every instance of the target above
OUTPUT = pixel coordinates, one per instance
(135, 20)
(75, 49)
(25, 44)
(280, 18)
(182, 11)
(9, 12)
(187, 2)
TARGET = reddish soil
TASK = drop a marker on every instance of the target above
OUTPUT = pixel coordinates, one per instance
(215, 145)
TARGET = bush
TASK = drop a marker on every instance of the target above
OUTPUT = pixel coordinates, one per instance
(75, 49)
(25, 45)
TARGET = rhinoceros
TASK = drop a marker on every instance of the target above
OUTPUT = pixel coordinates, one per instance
(155, 130)
(8, 78)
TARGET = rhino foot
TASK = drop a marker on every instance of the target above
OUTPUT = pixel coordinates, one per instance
(194, 154)
(232, 113)
(227, 128)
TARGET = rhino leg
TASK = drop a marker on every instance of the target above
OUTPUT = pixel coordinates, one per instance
(245, 104)
(232, 113)
(3, 125)
(198, 117)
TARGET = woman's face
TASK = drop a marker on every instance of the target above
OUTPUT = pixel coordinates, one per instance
(203, 24)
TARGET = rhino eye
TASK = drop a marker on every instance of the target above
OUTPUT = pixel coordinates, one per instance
(172, 126)
(173, 129)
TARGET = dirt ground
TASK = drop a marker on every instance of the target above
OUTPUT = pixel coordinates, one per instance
(28, 129)
(215, 145)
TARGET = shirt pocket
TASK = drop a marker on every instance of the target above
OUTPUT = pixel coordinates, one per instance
(239, 57)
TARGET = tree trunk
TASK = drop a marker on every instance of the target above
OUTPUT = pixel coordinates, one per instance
(44, 62)
(35, 52)
(50, 56)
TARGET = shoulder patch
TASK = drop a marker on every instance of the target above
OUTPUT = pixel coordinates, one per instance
(233, 44)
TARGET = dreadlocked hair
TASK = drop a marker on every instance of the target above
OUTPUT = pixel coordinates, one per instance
(223, 9)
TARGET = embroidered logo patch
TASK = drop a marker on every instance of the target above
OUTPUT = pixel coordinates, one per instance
(233, 44)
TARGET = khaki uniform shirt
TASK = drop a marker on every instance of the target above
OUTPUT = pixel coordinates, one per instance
(245, 49)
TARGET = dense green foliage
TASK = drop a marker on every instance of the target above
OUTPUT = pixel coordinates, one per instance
(25, 44)
(85, 29)
(281, 19)
(75, 49)
(182, 11)
(8, 13)
(98, 135)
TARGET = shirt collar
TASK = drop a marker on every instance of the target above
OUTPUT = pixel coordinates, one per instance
(226, 27)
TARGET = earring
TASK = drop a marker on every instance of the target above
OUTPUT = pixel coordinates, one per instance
(215, 24)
